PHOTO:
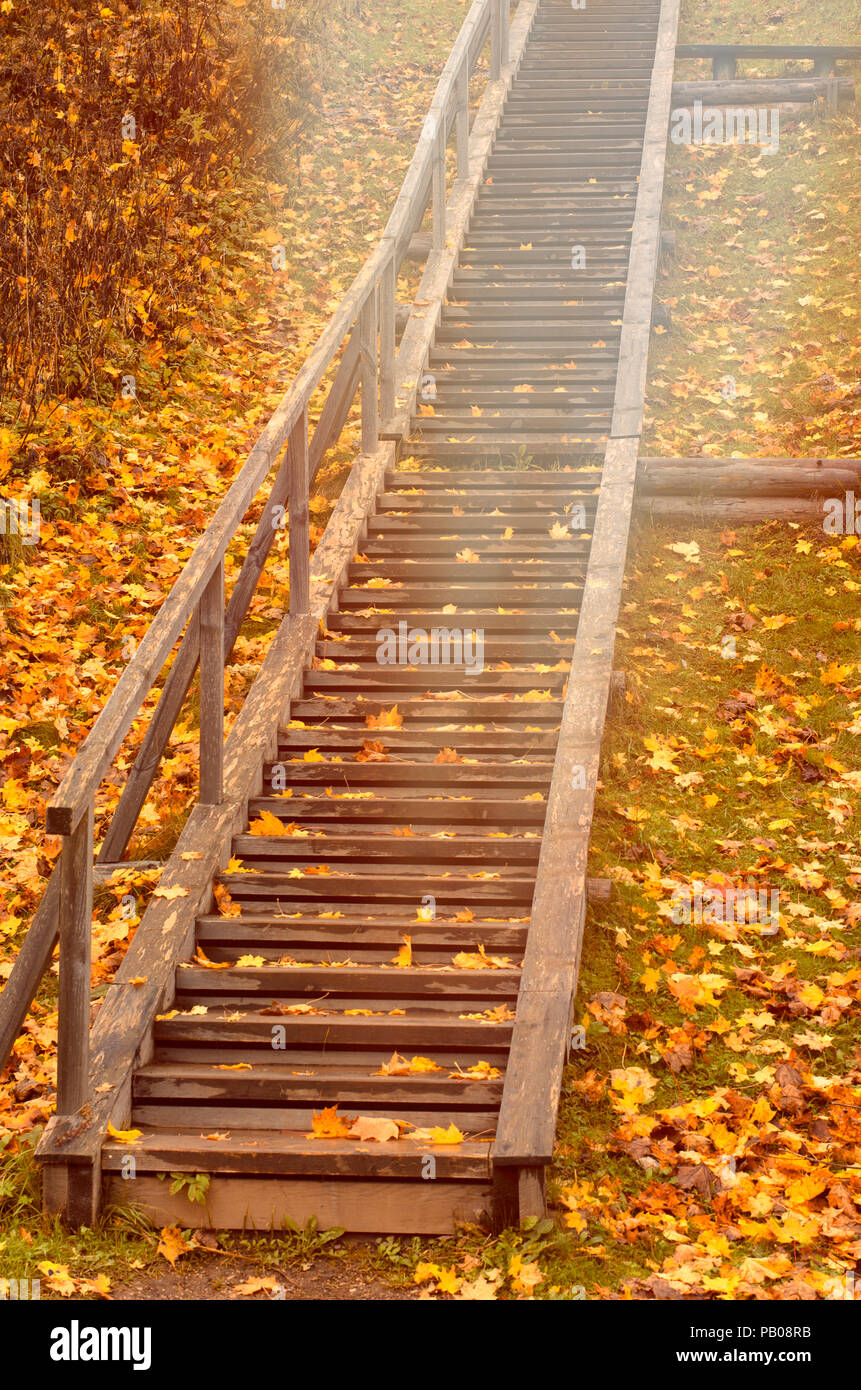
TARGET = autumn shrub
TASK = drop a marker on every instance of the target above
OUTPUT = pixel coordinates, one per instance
(122, 126)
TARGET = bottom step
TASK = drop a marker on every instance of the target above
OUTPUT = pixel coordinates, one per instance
(273, 1204)
(269, 1182)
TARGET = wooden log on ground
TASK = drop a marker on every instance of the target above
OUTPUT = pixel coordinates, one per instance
(773, 91)
(745, 481)
(650, 461)
(767, 477)
(786, 109)
(732, 511)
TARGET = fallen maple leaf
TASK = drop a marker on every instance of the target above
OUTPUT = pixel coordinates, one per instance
(172, 1243)
(58, 1278)
(386, 719)
(480, 960)
(374, 1130)
(328, 1124)
(266, 824)
(404, 958)
(253, 1286)
(448, 755)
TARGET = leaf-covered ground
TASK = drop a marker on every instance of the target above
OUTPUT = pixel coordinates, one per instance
(764, 356)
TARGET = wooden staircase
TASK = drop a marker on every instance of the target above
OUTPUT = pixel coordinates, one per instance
(351, 996)
(368, 958)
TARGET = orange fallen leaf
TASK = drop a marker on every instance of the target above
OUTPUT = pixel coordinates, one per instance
(386, 719)
(266, 824)
(328, 1124)
(404, 959)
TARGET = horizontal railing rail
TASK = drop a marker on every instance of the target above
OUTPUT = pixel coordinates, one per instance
(363, 331)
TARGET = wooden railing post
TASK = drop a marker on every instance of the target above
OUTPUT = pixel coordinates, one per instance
(211, 620)
(462, 120)
(388, 289)
(504, 27)
(75, 923)
(439, 193)
(370, 402)
(300, 534)
(495, 39)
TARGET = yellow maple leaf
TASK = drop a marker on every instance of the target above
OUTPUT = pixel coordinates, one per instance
(58, 1278)
(404, 959)
(663, 756)
(266, 824)
(835, 674)
(452, 1135)
(448, 1281)
(479, 960)
(172, 1243)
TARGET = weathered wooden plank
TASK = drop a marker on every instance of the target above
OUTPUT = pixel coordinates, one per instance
(337, 404)
(263, 1204)
(434, 1031)
(295, 1156)
(300, 543)
(739, 511)
(299, 1119)
(276, 980)
(649, 466)
(211, 627)
(75, 928)
(388, 290)
(29, 966)
(756, 89)
(748, 479)
(341, 1086)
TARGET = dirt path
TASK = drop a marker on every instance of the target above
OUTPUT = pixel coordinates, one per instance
(212, 1277)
